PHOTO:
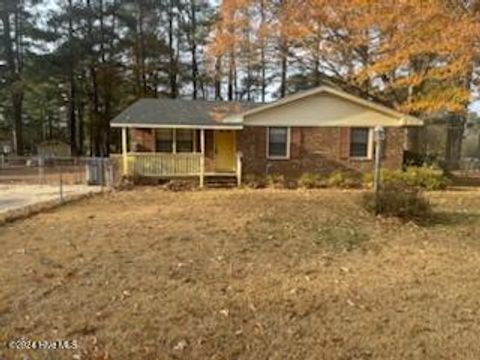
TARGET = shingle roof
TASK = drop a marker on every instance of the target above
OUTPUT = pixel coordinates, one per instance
(178, 112)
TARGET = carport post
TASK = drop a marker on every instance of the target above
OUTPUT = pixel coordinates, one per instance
(202, 157)
(124, 151)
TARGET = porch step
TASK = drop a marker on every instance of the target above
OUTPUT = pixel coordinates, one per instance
(220, 181)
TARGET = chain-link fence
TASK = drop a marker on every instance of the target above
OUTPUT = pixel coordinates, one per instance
(470, 166)
(57, 170)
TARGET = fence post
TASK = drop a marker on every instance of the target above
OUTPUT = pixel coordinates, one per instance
(102, 173)
(41, 170)
(124, 151)
(110, 174)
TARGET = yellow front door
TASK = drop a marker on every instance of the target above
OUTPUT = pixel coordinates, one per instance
(224, 150)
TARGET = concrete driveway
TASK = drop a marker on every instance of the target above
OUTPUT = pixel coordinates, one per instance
(14, 197)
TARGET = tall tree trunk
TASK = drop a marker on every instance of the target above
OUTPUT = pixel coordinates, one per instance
(106, 86)
(94, 110)
(263, 63)
(193, 36)
(231, 75)
(92, 88)
(317, 63)
(249, 63)
(284, 67)
(81, 113)
(173, 65)
(218, 78)
(14, 81)
(72, 125)
(17, 102)
(143, 75)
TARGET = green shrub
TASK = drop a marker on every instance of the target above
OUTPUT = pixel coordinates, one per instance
(420, 177)
(310, 181)
(367, 180)
(396, 199)
(425, 177)
(255, 181)
(343, 179)
(276, 181)
(386, 176)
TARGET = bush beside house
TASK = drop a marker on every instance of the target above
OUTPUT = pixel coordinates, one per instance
(397, 199)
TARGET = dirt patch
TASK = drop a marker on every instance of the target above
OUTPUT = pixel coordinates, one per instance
(18, 197)
(243, 274)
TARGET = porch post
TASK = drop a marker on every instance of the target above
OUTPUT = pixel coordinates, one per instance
(124, 151)
(202, 157)
(194, 136)
(239, 168)
(174, 145)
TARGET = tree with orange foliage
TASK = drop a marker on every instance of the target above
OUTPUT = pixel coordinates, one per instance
(416, 55)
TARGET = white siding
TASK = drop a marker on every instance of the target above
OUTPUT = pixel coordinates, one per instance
(321, 109)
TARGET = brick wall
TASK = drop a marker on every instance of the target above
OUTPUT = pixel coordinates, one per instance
(312, 149)
(142, 140)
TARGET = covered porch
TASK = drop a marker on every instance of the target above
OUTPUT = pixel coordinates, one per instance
(181, 151)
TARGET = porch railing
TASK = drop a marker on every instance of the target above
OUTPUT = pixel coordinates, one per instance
(170, 165)
(157, 165)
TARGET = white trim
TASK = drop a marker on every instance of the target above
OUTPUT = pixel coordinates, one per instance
(174, 141)
(124, 151)
(161, 126)
(202, 158)
(369, 145)
(267, 140)
(322, 125)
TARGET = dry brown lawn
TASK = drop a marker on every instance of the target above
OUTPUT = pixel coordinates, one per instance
(241, 274)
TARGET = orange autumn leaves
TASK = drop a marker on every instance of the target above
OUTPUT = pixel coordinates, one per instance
(420, 55)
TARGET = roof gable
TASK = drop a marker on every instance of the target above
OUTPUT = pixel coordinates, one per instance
(324, 106)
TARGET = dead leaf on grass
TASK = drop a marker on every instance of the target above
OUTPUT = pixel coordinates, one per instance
(181, 345)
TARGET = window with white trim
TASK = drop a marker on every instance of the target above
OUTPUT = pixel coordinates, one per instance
(360, 142)
(164, 140)
(278, 142)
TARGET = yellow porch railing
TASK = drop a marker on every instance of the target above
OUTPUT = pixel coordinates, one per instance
(164, 165)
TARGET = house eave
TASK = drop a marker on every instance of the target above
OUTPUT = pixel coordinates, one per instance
(177, 126)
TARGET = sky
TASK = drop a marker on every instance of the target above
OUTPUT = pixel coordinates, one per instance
(475, 107)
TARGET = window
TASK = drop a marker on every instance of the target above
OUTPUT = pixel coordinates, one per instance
(359, 142)
(164, 140)
(184, 140)
(278, 139)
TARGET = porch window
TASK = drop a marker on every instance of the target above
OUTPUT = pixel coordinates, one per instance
(164, 140)
(184, 140)
(278, 142)
(359, 142)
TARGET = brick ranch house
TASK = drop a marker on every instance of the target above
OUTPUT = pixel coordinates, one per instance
(320, 130)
